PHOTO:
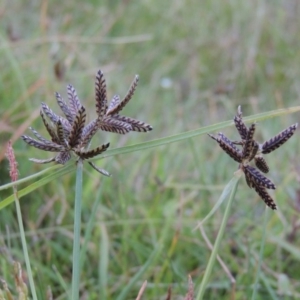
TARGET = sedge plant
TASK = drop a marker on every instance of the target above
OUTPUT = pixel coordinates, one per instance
(70, 135)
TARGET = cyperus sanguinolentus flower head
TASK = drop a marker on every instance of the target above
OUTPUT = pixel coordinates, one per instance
(252, 150)
(70, 134)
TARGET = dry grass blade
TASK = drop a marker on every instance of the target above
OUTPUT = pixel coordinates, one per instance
(276, 141)
(190, 293)
(103, 172)
(92, 153)
(52, 147)
(77, 128)
(261, 191)
(230, 149)
(64, 107)
(258, 178)
(135, 124)
(261, 164)
(113, 103)
(100, 95)
(247, 150)
(73, 100)
(63, 157)
(141, 291)
(113, 125)
(127, 98)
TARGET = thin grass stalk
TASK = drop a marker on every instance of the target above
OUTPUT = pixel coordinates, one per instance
(261, 254)
(216, 247)
(24, 245)
(77, 226)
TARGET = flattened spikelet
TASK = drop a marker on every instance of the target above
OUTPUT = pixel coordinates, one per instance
(74, 101)
(261, 164)
(248, 180)
(233, 152)
(261, 191)
(127, 98)
(49, 112)
(38, 136)
(279, 139)
(136, 125)
(103, 172)
(77, 128)
(100, 95)
(42, 161)
(249, 142)
(88, 132)
(60, 133)
(52, 147)
(63, 157)
(49, 128)
(258, 178)
(63, 106)
(113, 125)
(113, 103)
(92, 153)
(254, 150)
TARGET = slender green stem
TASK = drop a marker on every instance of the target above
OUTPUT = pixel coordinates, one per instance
(261, 254)
(234, 184)
(77, 227)
(24, 245)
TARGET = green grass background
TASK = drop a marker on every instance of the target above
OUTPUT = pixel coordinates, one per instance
(197, 61)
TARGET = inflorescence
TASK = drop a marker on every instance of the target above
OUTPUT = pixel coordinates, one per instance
(71, 134)
(252, 150)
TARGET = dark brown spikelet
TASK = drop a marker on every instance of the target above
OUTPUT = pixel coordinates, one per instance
(49, 128)
(279, 139)
(233, 152)
(247, 149)
(74, 101)
(88, 132)
(113, 125)
(113, 103)
(190, 293)
(248, 180)
(254, 150)
(51, 147)
(63, 157)
(92, 153)
(38, 136)
(261, 164)
(60, 133)
(136, 125)
(257, 178)
(64, 107)
(100, 95)
(261, 191)
(240, 125)
(117, 108)
(103, 172)
(77, 128)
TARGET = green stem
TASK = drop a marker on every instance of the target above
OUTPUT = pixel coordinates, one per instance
(212, 259)
(24, 246)
(261, 254)
(77, 227)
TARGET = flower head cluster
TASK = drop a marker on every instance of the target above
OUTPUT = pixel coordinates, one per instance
(252, 150)
(70, 134)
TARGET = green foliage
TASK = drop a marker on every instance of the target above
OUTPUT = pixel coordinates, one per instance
(196, 63)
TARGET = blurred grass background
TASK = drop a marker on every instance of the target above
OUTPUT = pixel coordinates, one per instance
(197, 61)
